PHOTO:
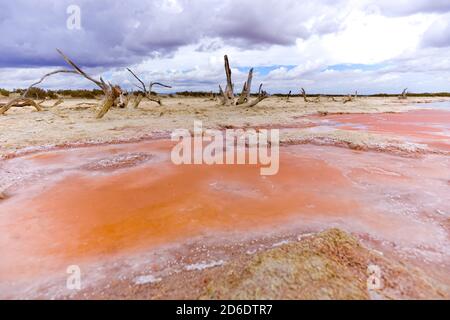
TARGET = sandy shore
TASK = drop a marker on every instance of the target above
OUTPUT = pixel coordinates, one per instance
(74, 121)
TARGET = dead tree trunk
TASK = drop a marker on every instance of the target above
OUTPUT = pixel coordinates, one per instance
(348, 99)
(111, 92)
(245, 95)
(304, 95)
(111, 95)
(261, 96)
(404, 96)
(147, 93)
(24, 101)
(227, 97)
(137, 100)
(20, 102)
(229, 89)
(123, 100)
(288, 96)
(58, 102)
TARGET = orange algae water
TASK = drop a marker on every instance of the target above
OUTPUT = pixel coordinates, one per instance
(83, 213)
(425, 126)
(87, 204)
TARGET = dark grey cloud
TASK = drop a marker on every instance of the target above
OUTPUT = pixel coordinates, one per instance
(438, 34)
(409, 7)
(117, 32)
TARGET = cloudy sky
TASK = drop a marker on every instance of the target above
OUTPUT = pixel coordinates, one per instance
(326, 46)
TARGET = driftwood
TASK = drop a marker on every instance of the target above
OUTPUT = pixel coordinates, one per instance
(58, 102)
(305, 98)
(44, 77)
(227, 97)
(245, 94)
(20, 102)
(404, 96)
(228, 94)
(124, 99)
(24, 100)
(261, 96)
(212, 97)
(112, 92)
(222, 99)
(288, 96)
(137, 100)
(348, 99)
(304, 95)
(87, 104)
(144, 92)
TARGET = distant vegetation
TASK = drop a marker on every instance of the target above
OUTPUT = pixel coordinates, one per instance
(202, 94)
(81, 94)
(195, 94)
(38, 93)
(4, 92)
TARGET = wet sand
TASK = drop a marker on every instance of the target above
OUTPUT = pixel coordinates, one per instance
(431, 127)
(72, 123)
(124, 210)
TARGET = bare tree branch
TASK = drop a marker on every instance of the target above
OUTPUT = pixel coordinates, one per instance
(20, 102)
(147, 93)
(229, 89)
(349, 98)
(100, 83)
(158, 84)
(144, 88)
(304, 95)
(44, 77)
(243, 98)
(227, 97)
(404, 94)
(288, 96)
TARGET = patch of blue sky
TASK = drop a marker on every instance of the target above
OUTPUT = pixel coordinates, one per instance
(265, 70)
(355, 66)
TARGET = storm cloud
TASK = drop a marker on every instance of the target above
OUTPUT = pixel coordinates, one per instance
(408, 7)
(324, 45)
(438, 34)
(117, 32)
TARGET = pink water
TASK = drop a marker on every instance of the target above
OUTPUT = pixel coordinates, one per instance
(88, 204)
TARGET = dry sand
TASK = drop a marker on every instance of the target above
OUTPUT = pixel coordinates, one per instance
(326, 265)
(74, 121)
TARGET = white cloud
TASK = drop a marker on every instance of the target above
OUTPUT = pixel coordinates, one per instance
(184, 44)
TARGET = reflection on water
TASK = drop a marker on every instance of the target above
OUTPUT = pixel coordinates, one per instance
(430, 127)
(436, 105)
